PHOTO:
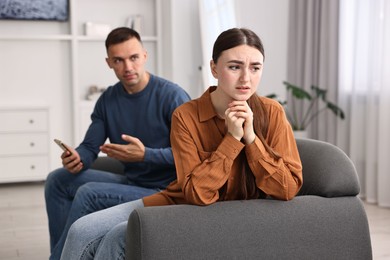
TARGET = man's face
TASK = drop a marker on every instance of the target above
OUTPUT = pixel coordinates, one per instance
(128, 59)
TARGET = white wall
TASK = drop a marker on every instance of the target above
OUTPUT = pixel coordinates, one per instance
(182, 41)
(182, 54)
(269, 19)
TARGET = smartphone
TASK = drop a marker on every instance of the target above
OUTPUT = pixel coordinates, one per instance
(62, 145)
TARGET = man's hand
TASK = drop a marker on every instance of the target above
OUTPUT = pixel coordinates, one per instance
(71, 160)
(134, 151)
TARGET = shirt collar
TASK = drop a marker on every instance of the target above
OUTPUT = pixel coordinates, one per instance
(205, 108)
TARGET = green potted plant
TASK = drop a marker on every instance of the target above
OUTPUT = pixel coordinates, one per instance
(317, 103)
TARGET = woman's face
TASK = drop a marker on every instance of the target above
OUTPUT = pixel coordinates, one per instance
(238, 72)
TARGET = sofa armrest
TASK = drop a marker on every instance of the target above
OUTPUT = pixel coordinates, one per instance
(327, 170)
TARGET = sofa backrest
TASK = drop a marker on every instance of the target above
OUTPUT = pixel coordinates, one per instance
(105, 163)
(327, 170)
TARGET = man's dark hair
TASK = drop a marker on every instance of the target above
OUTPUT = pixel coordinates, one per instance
(120, 35)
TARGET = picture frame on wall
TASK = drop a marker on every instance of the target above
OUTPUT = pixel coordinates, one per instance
(46, 10)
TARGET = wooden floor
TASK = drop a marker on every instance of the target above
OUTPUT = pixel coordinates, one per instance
(24, 233)
(23, 222)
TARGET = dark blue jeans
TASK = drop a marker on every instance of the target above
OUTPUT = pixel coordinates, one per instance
(71, 196)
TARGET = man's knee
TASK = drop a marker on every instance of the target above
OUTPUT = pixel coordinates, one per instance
(87, 190)
(86, 196)
(54, 178)
(56, 175)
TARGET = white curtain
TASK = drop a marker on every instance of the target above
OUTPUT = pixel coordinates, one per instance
(364, 90)
(313, 57)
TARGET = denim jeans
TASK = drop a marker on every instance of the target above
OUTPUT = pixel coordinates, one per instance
(71, 196)
(100, 235)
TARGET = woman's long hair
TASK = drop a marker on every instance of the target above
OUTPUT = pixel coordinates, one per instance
(229, 39)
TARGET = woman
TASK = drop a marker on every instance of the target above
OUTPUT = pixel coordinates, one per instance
(229, 144)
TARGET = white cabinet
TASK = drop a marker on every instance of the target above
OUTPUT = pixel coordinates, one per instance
(24, 149)
(54, 63)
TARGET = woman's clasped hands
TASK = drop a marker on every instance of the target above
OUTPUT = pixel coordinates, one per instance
(239, 121)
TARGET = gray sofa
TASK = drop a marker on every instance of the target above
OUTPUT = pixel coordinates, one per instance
(325, 221)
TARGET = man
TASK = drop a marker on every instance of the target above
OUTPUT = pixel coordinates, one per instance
(135, 114)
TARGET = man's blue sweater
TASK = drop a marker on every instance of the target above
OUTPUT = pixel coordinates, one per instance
(145, 115)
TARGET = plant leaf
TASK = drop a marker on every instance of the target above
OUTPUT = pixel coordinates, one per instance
(273, 96)
(320, 93)
(297, 92)
(336, 110)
